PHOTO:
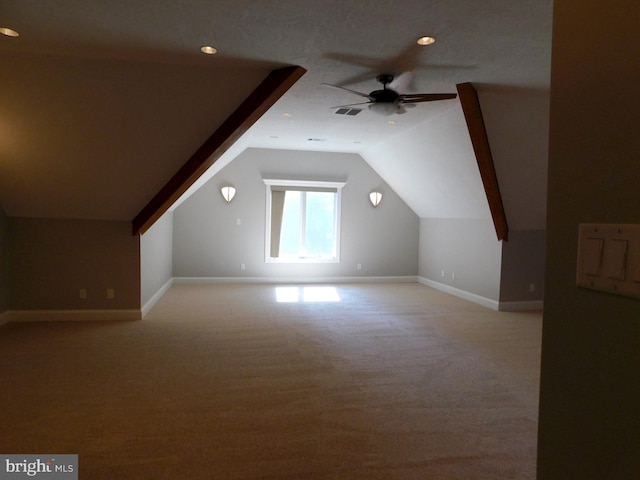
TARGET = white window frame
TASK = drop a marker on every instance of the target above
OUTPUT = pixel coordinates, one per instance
(269, 182)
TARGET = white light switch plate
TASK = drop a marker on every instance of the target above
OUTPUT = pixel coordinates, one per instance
(609, 258)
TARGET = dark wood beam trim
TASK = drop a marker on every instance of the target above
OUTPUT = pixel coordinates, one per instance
(478, 133)
(255, 105)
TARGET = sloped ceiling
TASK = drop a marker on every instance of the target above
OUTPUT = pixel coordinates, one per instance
(434, 167)
(101, 102)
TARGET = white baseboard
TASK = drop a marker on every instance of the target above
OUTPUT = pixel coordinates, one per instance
(472, 297)
(486, 302)
(71, 315)
(210, 280)
(129, 315)
(146, 308)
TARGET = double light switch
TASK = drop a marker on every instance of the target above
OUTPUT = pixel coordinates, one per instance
(609, 258)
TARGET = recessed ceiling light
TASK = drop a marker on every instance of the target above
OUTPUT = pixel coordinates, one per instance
(426, 40)
(209, 50)
(391, 122)
(9, 32)
(286, 114)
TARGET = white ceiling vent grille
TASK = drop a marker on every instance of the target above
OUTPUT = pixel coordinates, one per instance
(347, 111)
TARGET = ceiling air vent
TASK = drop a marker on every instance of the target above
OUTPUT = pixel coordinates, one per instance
(348, 111)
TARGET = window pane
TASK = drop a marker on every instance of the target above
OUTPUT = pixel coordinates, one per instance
(291, 236)
(320, 224)
(302, 222)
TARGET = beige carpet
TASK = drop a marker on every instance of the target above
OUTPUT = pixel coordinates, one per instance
(394, 381)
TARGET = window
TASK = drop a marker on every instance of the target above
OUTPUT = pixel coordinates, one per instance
(303, 221)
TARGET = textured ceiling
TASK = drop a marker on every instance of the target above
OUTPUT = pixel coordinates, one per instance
(102, 101)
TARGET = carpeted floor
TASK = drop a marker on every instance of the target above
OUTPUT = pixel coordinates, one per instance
(393, 381)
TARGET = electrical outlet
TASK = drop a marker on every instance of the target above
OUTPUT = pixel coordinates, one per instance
(532, 287)
(111, 293)
(83, 293)
(359, 266)
(238, 221)
(243, 266)
(442, 273)
(453, 275)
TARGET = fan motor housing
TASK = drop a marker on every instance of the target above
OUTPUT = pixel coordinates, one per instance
(384, 96)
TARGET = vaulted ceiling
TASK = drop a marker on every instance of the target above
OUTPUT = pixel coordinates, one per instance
(102, 102)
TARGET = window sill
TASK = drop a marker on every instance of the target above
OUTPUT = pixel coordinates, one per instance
(293, 260)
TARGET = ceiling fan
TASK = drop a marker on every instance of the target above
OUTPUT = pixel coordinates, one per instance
(389, 99)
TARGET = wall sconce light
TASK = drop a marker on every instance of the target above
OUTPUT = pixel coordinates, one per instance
(376, 198)
(228, 192)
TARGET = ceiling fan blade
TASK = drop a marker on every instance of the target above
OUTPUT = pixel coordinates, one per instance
(402, 82)
(427, 97)
(351, 105)
(347, 89)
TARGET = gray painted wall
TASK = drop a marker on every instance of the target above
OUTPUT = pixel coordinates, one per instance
(50, 260)
(523, 258)
(156, 257)
(589, 425)
(4, 262)
(517, 123)
(207, 242)
(466, 249)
